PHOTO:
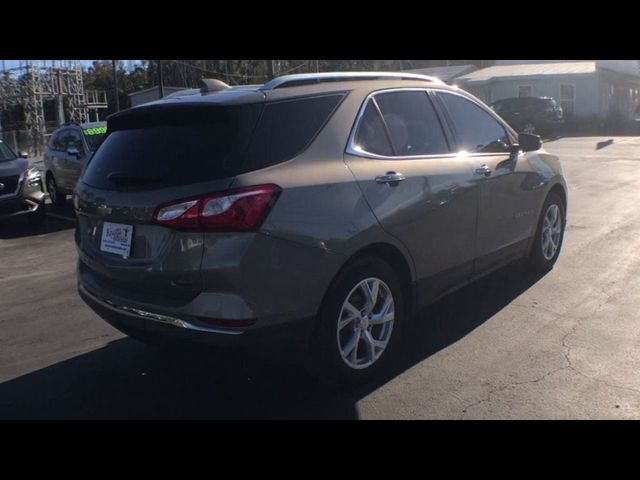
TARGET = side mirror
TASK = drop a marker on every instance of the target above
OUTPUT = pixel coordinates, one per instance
(73, 151)
(529, 142)
(24, 154)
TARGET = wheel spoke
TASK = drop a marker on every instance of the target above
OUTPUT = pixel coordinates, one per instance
(371, 289)
(354, 352)
(384, 315)
(347, 320)
(371, 345)
(352, 344)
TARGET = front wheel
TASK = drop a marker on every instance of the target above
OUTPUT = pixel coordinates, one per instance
(359, 322)
(549, 234)
(57, 198)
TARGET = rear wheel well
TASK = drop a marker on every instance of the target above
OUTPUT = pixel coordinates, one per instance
(396, 261)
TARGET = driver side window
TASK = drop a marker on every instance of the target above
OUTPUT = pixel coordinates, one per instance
(476, 130)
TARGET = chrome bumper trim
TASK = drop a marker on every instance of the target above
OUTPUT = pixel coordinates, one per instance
(156, 317)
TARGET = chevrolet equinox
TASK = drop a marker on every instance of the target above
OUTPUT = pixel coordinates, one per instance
(321, 209)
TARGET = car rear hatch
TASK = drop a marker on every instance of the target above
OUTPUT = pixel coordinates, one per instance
(154, 156)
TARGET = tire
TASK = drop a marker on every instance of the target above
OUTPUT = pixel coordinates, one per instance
(58, 198)
(541, 258)
(326, 359)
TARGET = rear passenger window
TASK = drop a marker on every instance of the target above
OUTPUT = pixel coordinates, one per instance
(412, 123)
(287, 128)
(371, 136)
(476, 130)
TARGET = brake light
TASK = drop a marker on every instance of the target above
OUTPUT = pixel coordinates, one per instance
(242, 209)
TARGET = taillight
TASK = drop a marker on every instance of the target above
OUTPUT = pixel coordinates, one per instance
(242, 209)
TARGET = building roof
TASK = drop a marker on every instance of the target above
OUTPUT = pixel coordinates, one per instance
(446, 74)
(529, 70)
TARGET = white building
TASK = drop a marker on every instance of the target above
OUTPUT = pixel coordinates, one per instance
(586, 89)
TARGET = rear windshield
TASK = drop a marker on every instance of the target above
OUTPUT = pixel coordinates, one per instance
(154, 147)
(94, 136)
(168, 147)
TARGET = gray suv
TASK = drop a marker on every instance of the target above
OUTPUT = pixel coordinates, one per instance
(21, 191)
(68, 150)
(320, 210)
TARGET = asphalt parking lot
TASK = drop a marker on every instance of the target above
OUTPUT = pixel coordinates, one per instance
(511, 346)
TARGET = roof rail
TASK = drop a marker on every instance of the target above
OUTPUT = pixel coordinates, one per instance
(309, 78)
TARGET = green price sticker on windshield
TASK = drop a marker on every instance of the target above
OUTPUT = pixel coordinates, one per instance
(95, 131)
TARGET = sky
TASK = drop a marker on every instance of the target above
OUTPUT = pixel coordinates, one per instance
(86, 63)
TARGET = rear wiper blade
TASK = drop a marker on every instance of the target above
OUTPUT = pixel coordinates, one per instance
(118, 178)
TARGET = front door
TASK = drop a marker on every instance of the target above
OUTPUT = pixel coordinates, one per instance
(503, 205)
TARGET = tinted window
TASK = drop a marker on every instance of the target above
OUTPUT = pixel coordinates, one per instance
(154, 147)
(371, 136)
(5, 152)
(412, 123)
(476, 130)
(287, 128)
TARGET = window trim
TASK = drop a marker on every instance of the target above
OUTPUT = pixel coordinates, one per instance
(352, 149)
(511, 134)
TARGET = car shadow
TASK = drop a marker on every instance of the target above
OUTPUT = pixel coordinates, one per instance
(127, 380)
(58, 218)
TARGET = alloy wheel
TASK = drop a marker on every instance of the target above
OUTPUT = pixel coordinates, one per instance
(365, 323)
(551, 231)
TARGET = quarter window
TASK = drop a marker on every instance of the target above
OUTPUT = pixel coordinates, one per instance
(476, 130)
(371, 135)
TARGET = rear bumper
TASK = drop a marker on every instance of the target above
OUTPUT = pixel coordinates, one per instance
(171, 327)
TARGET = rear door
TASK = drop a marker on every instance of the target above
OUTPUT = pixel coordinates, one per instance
(59, 164)
(149, 159)
(418, 189)
(75, 162)
(504, 205)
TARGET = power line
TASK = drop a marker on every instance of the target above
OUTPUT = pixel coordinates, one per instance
(226, 74)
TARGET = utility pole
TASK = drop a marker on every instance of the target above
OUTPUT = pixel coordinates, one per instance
(115, 85)
(270, 69)
(317, 66)
(160, 84)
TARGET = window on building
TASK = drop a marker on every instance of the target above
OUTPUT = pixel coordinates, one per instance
(567, 99)
(525, 90)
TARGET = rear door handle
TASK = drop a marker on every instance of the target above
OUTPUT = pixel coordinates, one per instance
(483, 170)
(392, 178)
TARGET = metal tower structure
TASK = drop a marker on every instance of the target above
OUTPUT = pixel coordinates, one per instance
(33, 82)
